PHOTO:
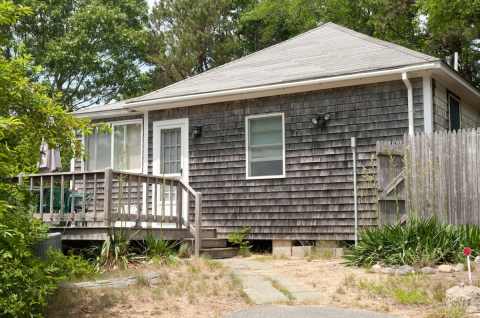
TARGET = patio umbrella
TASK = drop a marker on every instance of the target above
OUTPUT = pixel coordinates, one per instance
(49, 158)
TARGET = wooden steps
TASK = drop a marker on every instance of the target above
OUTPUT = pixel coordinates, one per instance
(213, 247)
(219, 252)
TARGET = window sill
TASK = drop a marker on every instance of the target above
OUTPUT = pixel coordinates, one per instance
(266, 177)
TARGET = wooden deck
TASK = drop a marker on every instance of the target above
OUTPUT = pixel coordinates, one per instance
(88, 205)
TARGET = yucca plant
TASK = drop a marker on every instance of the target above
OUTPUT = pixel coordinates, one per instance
(419, 242)
(159, 248)
(115, 251)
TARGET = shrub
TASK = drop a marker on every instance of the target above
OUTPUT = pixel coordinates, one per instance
(239, 238)
(419, 242)
(26, 282)
(69, 267)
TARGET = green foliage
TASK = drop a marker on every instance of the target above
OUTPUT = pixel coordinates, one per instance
(419, 242)
(190, 37)
(69, 267)
(115, 252)
(89, 50)
(436, 27)
(239, 238)
(161, 250)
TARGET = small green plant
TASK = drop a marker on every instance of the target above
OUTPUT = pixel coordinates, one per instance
(160, 249)
(419, 242)
(115, 252)
(239, 238)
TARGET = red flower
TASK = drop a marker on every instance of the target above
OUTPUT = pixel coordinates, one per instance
(467, 251)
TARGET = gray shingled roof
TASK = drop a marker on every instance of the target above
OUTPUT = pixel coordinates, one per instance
(327, 50)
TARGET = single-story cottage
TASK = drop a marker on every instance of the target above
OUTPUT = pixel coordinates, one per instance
(266, 138)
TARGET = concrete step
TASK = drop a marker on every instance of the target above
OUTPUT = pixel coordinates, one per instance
(209, 242)
(219, 252)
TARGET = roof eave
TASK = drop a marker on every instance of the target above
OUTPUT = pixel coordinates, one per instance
(281, 89)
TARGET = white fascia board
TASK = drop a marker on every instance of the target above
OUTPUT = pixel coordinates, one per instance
(265, 90)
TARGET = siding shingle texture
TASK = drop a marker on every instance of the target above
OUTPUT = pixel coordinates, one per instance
(315, 200)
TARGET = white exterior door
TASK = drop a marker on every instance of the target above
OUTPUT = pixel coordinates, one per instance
(170, 159)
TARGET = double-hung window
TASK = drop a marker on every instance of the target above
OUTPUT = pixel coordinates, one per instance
(120, 149)
(265, 146)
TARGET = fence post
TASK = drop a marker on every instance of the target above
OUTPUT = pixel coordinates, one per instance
(355, 206)
(198, 214)
(107, 197)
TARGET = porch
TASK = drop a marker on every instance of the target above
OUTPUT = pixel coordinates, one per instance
(88, 205)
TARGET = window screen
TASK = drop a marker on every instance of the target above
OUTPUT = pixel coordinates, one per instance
(454, 110)
(265, 146)
(170, 151)
(99, 151)
(127, 148)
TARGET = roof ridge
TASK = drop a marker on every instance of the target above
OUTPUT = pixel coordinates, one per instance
(391, 45)
(242, 58)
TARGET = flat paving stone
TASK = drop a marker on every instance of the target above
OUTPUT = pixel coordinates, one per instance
(303, 312)
(260, 290)
(263, 272)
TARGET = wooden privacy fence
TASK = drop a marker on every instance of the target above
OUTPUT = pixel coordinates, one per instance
(426, 175)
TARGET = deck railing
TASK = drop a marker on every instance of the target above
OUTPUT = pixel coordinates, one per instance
(112, 198)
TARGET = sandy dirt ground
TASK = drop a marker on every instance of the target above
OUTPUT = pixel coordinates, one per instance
(338, 285)
(201, 288)
(204, 288)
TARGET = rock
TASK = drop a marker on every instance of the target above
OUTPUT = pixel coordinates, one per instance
(459, 267)
(404, 270)
(446, 268)
(467, 296)
(388, 270)
(377, 268)
(477, 260)
(428, 270)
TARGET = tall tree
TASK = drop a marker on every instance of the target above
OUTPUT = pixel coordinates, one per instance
(189, 37)
(437, 27)
(273, 21)
(89, 50)
(454, 26)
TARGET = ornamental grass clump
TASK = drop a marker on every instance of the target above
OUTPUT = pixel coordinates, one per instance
(419, 242)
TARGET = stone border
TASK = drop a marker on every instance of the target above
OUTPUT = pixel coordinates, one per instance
(151, 278)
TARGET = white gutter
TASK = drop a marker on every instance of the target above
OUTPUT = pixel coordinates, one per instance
(285, 86)
(408, 84)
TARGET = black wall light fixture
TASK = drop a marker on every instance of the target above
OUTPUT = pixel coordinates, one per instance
(197, 131)
(321, 120)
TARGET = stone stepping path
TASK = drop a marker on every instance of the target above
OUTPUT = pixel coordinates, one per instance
(262, 286)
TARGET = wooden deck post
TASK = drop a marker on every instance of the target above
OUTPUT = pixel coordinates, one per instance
(198, 214)
(107, 203)
(179, 205)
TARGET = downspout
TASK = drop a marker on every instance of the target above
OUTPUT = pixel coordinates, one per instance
(408, 84)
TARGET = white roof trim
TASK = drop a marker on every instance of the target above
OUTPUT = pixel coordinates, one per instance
(417, 70)
(260, 91)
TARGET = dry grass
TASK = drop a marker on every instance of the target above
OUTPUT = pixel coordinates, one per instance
(191, 288)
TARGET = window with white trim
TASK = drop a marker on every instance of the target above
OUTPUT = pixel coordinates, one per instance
(265, 146)
(121, 149)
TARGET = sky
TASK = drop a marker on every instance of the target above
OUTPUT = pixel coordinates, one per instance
(151, 2)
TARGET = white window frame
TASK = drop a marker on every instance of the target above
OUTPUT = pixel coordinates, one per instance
(112, 143)
(247, 143)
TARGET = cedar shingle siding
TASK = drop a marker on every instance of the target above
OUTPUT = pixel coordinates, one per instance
(315, 200)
